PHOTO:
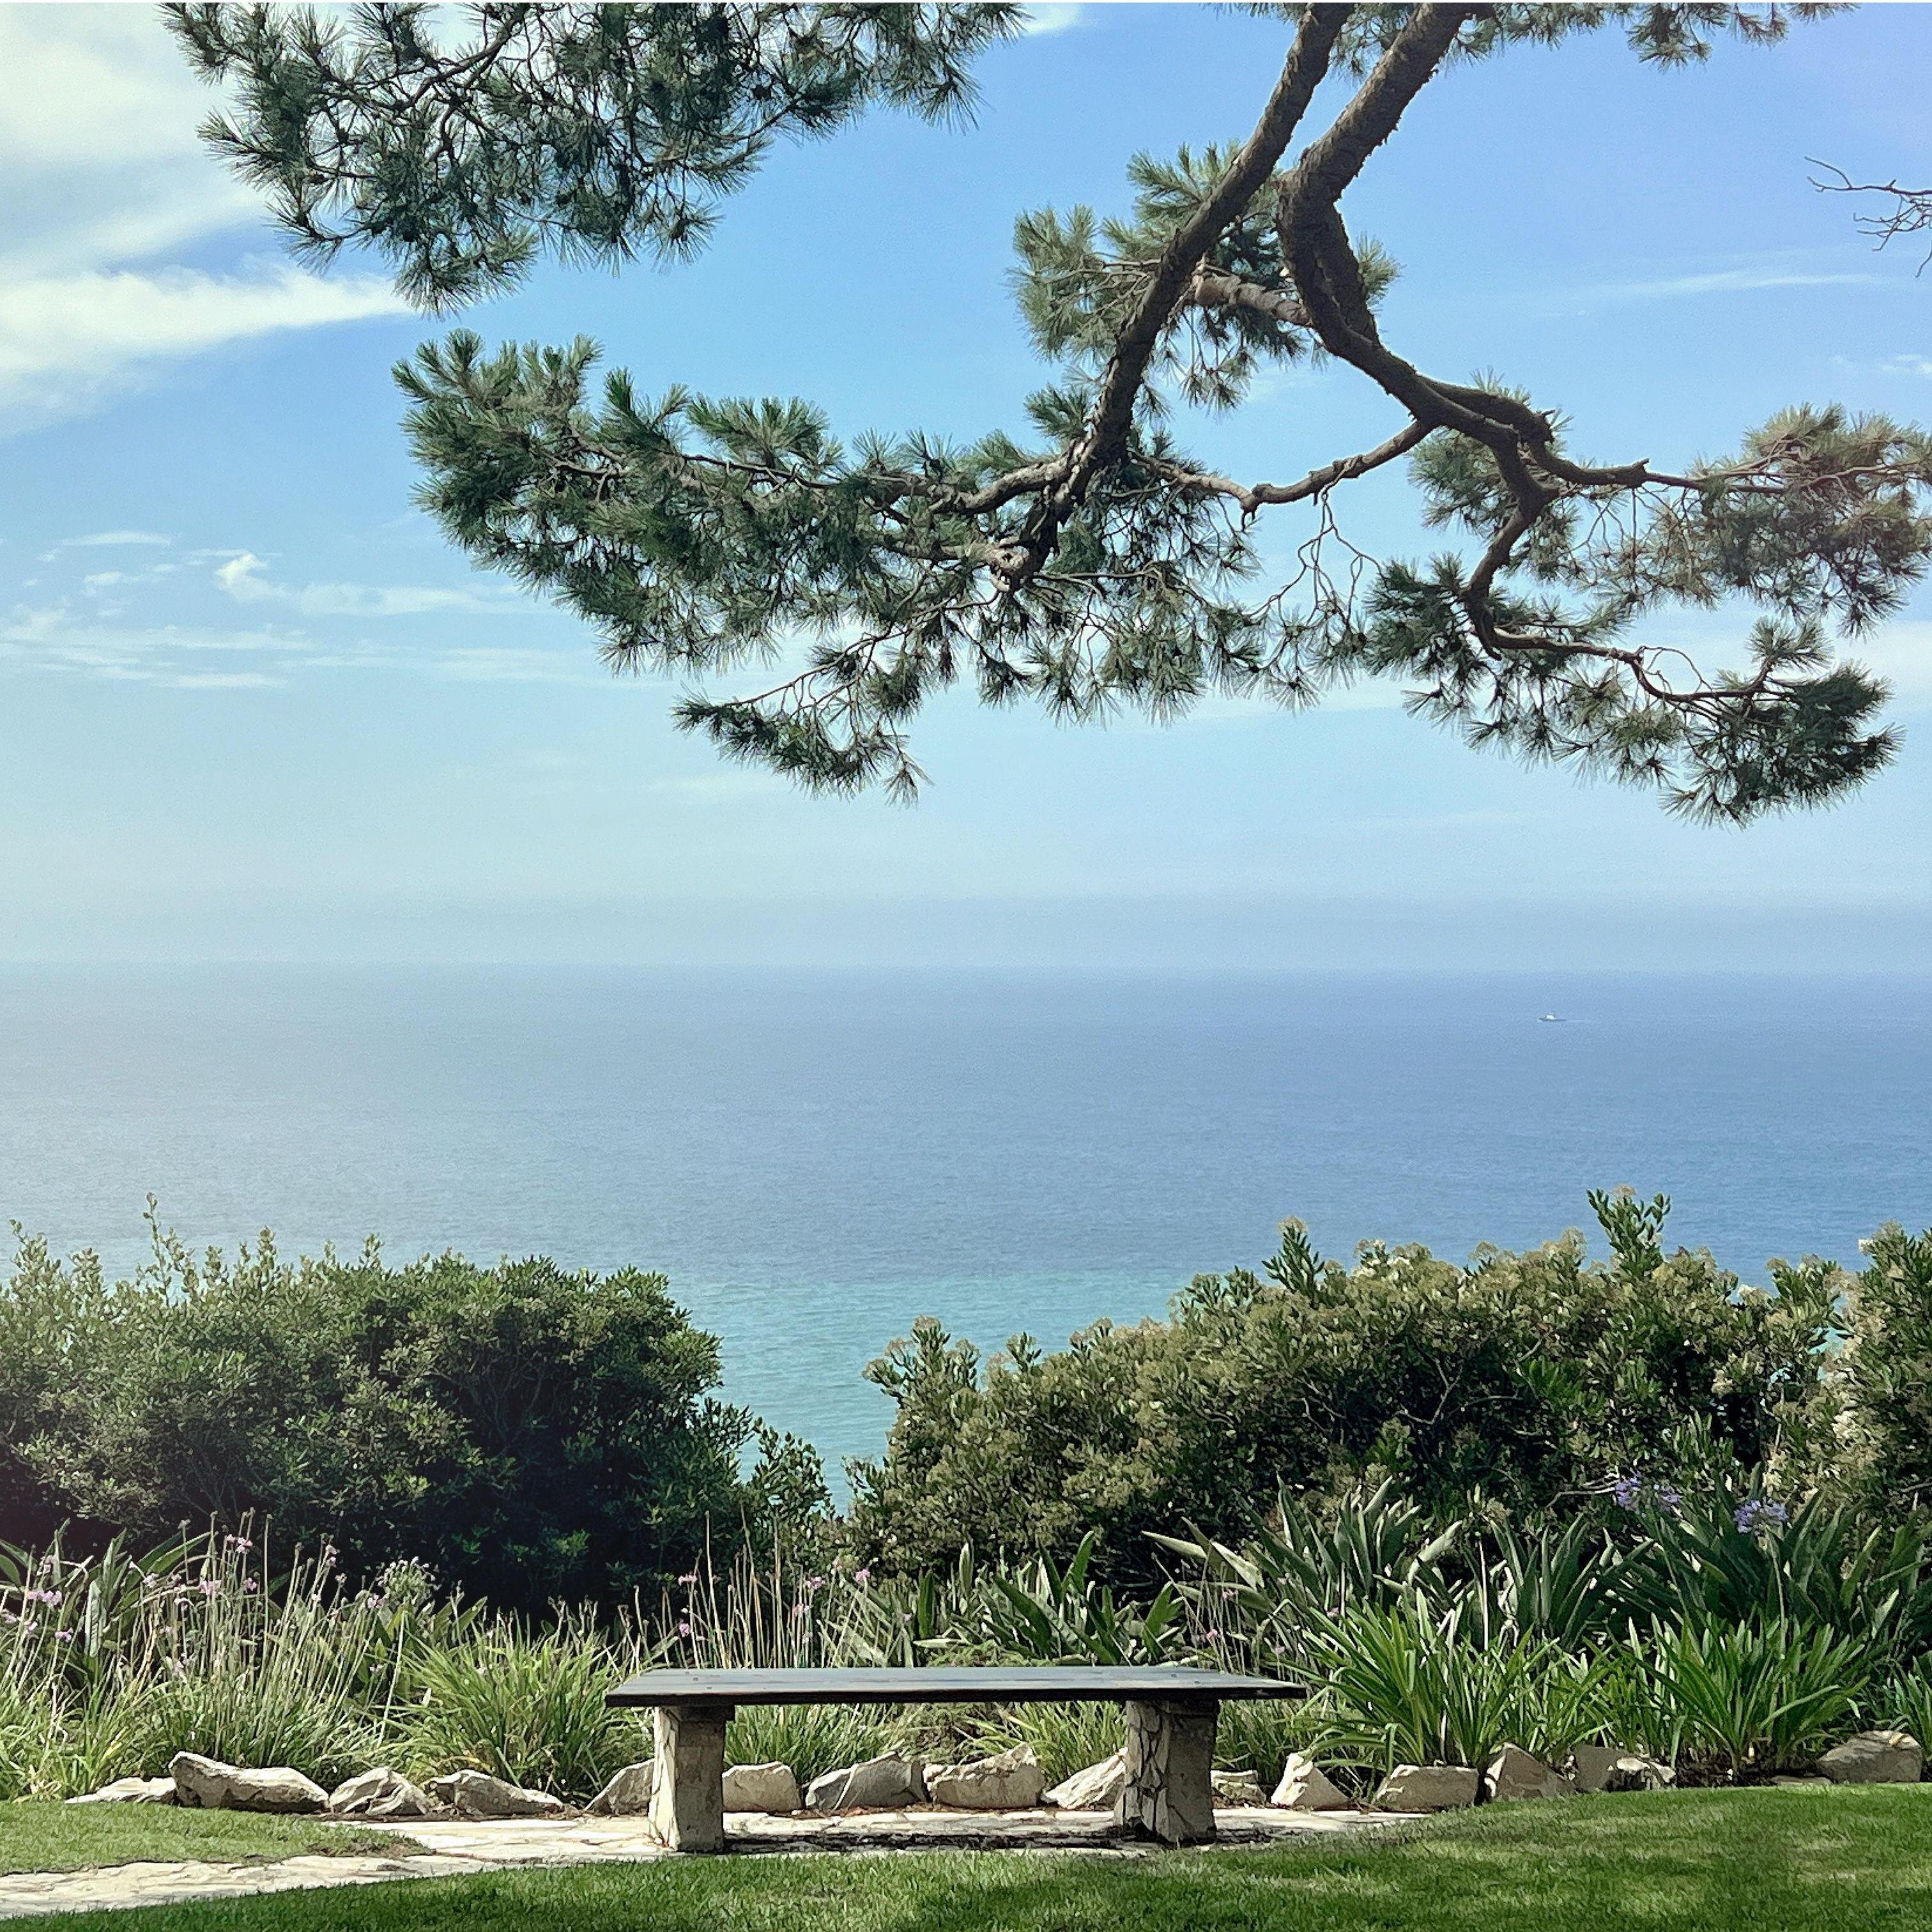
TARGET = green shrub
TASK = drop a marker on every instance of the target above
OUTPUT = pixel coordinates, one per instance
(1747, 1699)
(1904, 1701)
(530, 1433)
(525, 1706)
(1398, 1687)
(1879, 1448)
(1524, 1380)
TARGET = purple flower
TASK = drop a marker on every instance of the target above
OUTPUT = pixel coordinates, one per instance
(248, 1583)
(689, 1577)
(210, 1586)
(1669, 1500)
(684, 1626)
(1626, 1492)
(812, 1583)
(1755, 1513)
(65, 1636)
(863, 1574)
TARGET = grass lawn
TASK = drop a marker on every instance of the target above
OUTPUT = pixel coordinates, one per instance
(37, 1837)
(1837, 1860)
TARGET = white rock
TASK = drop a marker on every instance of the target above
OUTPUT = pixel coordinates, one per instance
(1237, 1788)
(886, 1784)
(1611, 1768)
(1427, 1787)
(1875, 1757)
(475, 1794)
(1304, 1787)
(761, 1787)
(130, 1791)
(629, 1794)
(215, 1786)
(1514, 1773)
(1094, 1790)
(380, 1793)
(1010, 1781)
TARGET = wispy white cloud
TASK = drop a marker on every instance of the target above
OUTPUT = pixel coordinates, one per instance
(114, 539)
(1718, 281)
(471, 664)
(245, 577)
(1052, 17)
(98, 143)
(87, 635)
(105, 177)
(66, 341)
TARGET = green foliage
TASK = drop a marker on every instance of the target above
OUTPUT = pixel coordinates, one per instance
(527, 1706)
(1882, 1427)
(1092, 563)
(528, 1432)
(1749, 1699)
(1521, 1381)
(1400, 1687)
(602, 131)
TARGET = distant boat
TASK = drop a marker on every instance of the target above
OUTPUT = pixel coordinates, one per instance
(1557, 1018)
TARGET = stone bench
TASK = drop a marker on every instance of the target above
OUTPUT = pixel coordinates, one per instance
(1171, 1717)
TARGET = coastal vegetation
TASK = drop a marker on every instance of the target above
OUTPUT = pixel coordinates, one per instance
(527, 1431)
(1538, 1500)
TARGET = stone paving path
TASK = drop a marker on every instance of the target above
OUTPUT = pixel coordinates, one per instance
(458, 1847)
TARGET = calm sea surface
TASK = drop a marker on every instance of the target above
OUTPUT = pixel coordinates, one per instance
(816, 1158)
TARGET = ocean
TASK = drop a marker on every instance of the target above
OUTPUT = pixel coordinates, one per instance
(814, 1159)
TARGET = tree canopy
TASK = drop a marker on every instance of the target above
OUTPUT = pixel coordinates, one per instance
(1091, 562)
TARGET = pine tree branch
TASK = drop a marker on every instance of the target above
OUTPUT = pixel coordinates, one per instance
(1140, 335)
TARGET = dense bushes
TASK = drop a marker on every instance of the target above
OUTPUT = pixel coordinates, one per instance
(1530, 1380)
(527, 1432)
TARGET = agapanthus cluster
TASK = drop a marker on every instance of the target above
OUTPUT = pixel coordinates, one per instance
(1634, 1492)
(1755, 1514)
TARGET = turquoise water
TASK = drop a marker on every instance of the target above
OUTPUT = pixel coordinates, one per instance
(816, 1158)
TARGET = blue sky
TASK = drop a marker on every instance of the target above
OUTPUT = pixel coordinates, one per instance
(257, 708)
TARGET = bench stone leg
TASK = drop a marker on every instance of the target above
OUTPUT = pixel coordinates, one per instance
(687, 1797)
(1169, 1793)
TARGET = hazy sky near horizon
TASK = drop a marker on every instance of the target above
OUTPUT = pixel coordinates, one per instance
(256, 707)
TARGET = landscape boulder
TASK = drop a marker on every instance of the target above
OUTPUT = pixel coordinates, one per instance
(1427, 1787)
(1305, 1787)
(629, 1794)
(130, 1791)
(1237, 1788)
(212, 1785)
(1094, 1790)
(380, 1793)
(887, 1784)
(475, 1794)
(1875, 1757)
(760, 1787)
(1611, 1768)
(1514, 1773)
(1010, 1781)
